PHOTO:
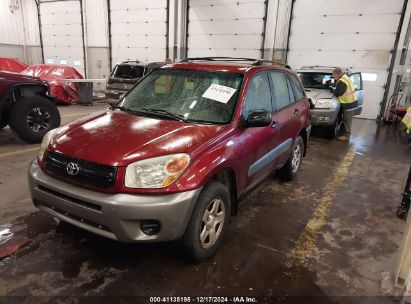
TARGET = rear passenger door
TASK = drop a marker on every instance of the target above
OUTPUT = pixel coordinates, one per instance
(287, 113)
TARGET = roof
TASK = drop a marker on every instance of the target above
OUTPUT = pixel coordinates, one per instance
(228, 64)
(320, 69)
(142, 64)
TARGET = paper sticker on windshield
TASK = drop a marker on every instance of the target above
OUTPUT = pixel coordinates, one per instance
(219, 93)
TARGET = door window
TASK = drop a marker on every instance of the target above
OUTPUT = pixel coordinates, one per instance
(280, 87)
(298, 90)
(290, 91)
(258, 94)
(357, 80)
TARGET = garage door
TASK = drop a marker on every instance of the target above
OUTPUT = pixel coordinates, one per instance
(138, 30)
(225, 28)
(347, 33)
(61, 29)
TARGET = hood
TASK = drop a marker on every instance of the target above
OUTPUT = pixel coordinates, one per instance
(316, 94)
(117, 138)
(9, 76)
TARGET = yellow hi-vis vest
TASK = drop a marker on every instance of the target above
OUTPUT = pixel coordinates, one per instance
(349, 94)
(407, 120)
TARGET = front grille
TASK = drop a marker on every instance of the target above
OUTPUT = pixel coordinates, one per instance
(89, 174)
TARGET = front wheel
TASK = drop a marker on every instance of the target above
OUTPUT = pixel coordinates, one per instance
(32, 117)
(289, 171)
(331, 132)
(4, 120)
(208, 222)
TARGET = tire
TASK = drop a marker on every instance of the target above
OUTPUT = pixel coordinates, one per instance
(32, 117)
(214, 197)
(330, 132)
(4, 120)
(289, 171)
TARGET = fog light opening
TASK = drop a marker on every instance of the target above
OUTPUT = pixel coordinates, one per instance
(150, 227)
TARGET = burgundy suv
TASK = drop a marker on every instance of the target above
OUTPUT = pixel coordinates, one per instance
(173, 158)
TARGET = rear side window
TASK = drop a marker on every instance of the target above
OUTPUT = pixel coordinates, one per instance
(290, 90)
(297, 89)
(258, 94)
(128, 71)
(280, 86)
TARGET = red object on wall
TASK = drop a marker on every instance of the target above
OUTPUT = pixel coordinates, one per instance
(12, 65)
(65, 91)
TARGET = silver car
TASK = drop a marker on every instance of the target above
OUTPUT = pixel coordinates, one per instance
(325, 106)
(125, 75)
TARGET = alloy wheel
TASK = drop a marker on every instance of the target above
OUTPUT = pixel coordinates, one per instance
(295, 162)
(212, 223)
(38, 119)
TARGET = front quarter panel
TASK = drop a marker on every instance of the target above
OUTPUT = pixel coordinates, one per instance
(227, 154)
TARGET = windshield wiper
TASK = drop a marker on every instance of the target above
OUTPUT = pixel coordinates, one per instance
(128, 110)
(165, 113)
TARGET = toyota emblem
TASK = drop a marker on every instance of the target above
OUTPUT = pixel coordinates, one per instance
(73, 168)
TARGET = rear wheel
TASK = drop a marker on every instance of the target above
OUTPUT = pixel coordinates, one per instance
(208, 222)
(291, 167)
(32, 117)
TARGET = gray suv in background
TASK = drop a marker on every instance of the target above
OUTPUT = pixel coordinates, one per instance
(125, 75)
(325, 106)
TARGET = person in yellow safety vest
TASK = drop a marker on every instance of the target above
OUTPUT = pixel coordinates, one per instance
(407, 122)
(345, 93)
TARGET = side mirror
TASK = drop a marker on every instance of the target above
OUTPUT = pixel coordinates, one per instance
(258, 118)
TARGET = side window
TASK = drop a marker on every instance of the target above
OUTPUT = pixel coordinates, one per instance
(258, 94)
(279, 84)
(298, 90)
(290, 91)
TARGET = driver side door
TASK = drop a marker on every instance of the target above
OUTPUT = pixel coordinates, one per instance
(356, 78)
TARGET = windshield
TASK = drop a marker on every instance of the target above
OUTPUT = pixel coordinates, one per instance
(316, 80)
(188, 95)
(128, 71)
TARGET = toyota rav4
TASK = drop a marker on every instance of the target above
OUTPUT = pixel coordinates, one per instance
(173, 158)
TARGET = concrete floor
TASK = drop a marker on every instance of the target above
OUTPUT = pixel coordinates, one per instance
(327, 235)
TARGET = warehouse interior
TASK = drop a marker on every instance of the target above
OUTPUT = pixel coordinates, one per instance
(337, 233)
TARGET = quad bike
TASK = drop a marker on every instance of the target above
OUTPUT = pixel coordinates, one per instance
(27, 107)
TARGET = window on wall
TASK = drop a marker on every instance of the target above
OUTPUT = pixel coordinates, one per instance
(63, 61)
(281, 92)
(258, 94)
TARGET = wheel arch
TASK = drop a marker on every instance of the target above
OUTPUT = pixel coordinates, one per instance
(304, 135)
(227, 177)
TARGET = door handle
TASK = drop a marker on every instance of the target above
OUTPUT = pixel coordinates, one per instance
(275, 124)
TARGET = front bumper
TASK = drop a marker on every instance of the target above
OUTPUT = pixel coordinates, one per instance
(323, 117)
(115, 216)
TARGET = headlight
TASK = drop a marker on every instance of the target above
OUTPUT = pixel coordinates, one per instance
(326, 103)
(157, 172)
(44, 144)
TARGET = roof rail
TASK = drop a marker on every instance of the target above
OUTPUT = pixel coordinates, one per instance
(258, 62)
(216, 59)
(254, 62)
(317, 66)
